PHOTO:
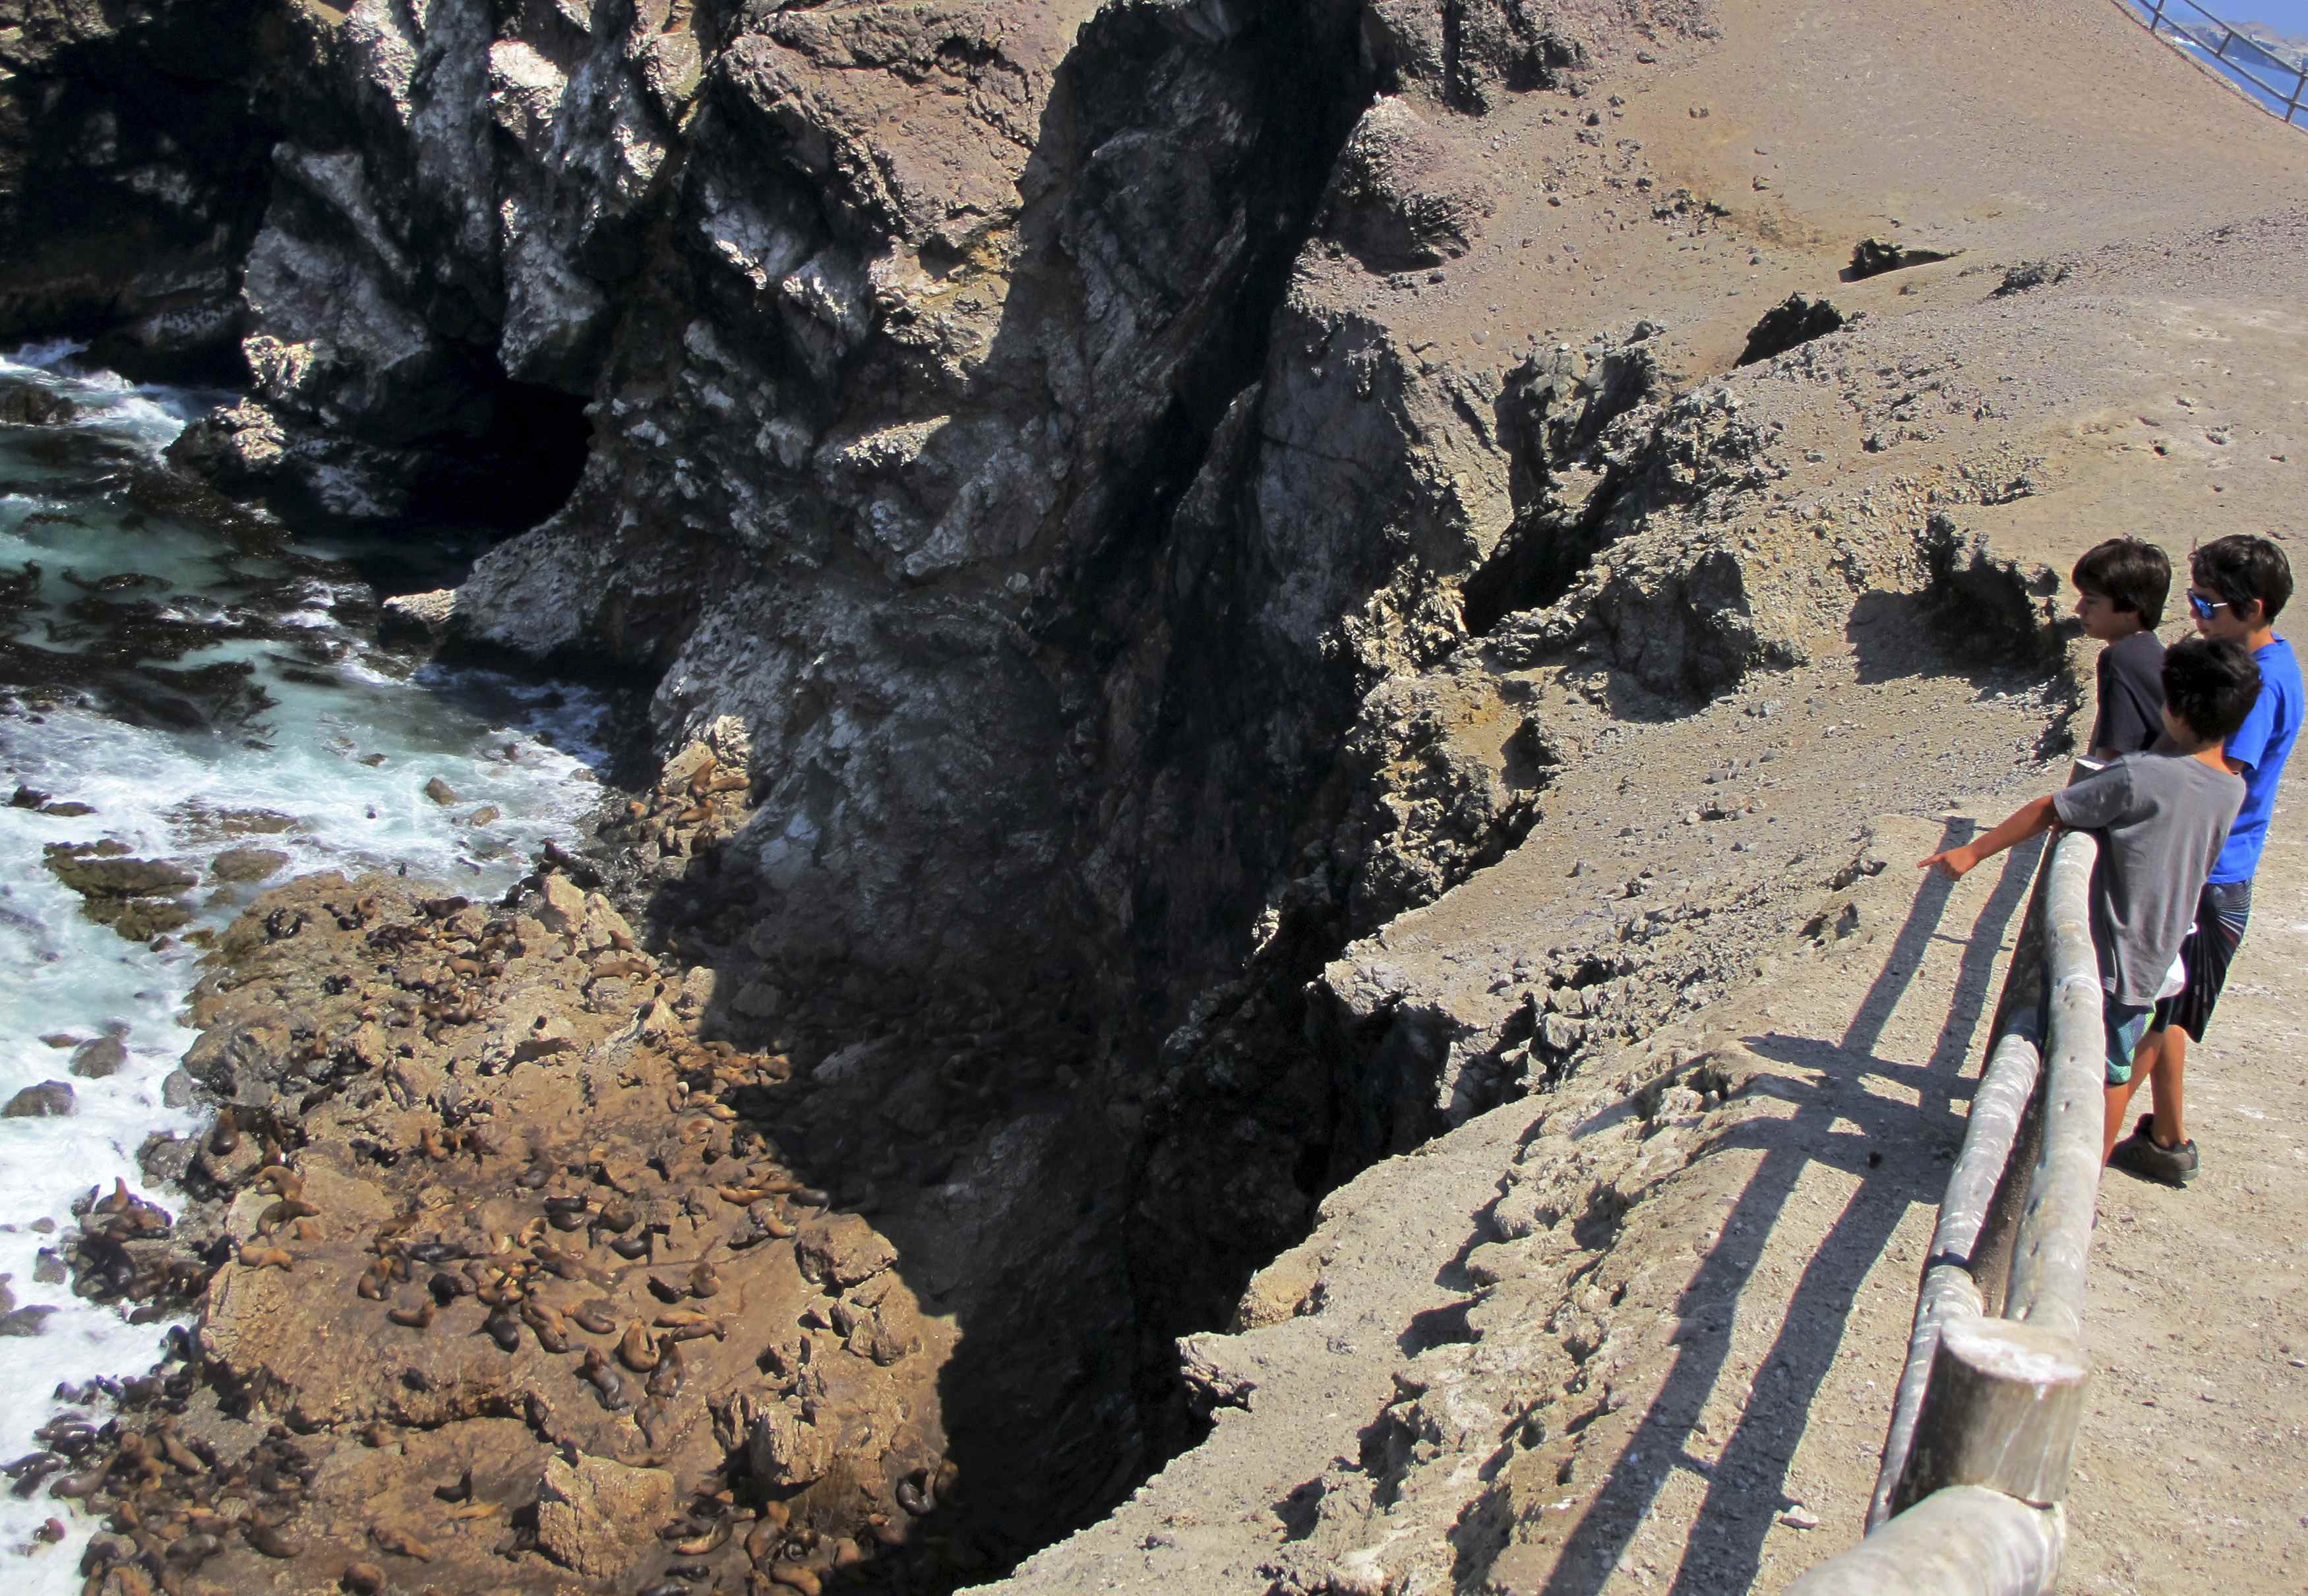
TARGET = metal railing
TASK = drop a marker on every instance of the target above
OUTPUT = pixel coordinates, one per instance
(1969, 1501)
(2233, 56)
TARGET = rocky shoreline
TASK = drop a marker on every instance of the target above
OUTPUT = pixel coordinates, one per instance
(499, 1270)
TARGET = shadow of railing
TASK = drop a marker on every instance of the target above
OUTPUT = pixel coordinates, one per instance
(1970, 1500)
(1746, 1484)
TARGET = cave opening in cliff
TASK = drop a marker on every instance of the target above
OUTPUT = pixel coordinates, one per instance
(517, 471)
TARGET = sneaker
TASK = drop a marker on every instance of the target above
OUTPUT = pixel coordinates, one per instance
(2139, 1153)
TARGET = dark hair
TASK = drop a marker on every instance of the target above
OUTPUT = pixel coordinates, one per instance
(2240, 568)
(2134, 575)
(2211, 684)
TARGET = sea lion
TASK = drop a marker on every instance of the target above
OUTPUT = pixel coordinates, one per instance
(281, 1181)
(180, 1454)
(704, 1281)
(193, 1550)
(419, 1318)
(795, 1577)
(268, 1541)
(765, 1222)
(362, 1579)
(699, 1546)
(552, 1331)
(637, 1349)
(400, 1543)
(253, 1257)
(763, 1540)
(596, 1372)
(503, 1329)
(282, 1212)
(567, 1266)
(597, 1318)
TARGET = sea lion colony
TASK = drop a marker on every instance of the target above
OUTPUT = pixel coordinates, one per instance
(605, 1259)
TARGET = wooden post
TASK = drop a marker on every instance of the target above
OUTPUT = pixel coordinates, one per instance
(1962, 1541)
(2001, 1412)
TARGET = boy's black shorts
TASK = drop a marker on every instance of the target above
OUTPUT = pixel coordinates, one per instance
(2221, 910)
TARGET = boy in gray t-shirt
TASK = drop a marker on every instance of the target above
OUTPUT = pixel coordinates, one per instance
(2162, 818)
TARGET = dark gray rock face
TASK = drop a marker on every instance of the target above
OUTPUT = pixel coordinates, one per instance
(956, 450)
(131, 161)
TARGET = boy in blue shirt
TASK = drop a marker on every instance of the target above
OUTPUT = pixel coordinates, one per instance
(2238, 585)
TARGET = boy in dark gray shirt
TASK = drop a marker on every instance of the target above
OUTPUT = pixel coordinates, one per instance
(2162, 818)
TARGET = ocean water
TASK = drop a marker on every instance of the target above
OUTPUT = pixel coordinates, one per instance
(190, 673)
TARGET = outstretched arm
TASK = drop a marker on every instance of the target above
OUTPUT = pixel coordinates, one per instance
(2029, 819)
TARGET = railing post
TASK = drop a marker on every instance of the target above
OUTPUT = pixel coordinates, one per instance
(2001, 1410)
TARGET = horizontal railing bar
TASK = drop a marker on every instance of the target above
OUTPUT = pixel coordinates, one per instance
(2055, 1229)
(2157, 19)
(1966, 1540)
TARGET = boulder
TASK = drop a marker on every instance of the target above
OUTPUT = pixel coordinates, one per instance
(419, 615)
(1401, 198)
(99, 870)
(49, 1100)
(596, 1517)
(842, 1250)
(23, 404)
(246, 865)
(104, 1055)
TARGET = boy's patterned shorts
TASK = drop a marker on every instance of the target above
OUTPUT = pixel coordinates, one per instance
(2126, 1023)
